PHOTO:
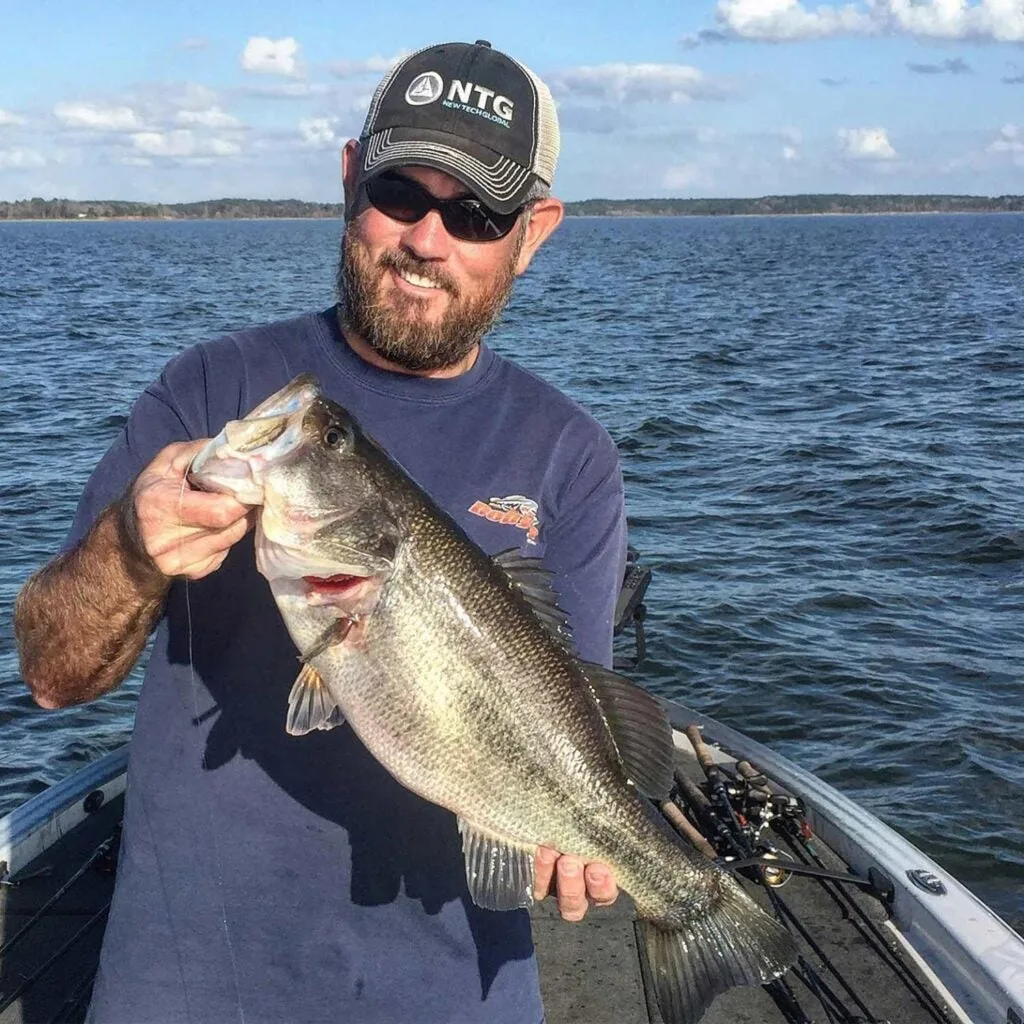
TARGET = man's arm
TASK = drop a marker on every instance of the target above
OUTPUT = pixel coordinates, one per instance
(83, 619)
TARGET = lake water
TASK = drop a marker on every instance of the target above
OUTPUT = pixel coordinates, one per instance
(820, 422)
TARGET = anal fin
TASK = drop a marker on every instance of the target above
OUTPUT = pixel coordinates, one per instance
(310, 704)
(499, 872)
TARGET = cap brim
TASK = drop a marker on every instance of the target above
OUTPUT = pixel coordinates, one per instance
(496, 180)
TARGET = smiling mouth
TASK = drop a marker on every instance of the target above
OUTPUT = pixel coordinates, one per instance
(418, 281)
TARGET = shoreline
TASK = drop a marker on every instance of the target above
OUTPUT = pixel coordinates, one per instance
(631, 215)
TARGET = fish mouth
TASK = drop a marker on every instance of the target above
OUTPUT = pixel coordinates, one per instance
(339, 584)
(235, 460)
(351, 595)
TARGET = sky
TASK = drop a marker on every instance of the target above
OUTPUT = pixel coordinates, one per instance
(176, 102)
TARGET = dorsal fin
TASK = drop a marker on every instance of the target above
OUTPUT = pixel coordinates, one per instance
(533, 581)
(639, 728)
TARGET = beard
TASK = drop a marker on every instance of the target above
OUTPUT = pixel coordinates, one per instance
(393, 324)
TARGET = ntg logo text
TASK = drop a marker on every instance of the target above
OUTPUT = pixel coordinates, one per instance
(429, 86)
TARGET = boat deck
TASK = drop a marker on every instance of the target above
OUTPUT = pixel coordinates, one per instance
(591, 972)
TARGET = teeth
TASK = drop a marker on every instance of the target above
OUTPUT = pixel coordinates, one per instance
(420, 282)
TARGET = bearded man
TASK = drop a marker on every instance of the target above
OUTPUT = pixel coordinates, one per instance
(269, 878)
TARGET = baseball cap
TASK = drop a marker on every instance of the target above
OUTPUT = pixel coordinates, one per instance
(471, 111)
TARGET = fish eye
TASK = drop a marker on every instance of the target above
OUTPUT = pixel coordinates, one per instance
(333, 436)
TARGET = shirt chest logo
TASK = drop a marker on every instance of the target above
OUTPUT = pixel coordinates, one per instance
(515, 510)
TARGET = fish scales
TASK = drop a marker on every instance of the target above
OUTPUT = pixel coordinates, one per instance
(437, 694)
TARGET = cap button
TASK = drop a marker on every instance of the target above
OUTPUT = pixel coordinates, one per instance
(482, 42)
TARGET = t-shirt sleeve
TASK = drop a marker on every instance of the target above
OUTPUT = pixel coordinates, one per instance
(172, 408)
(586, 548)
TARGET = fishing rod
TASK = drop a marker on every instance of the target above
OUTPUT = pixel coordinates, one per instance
(802, 847)
(102, 858)
(29, 982)
(104, 850)
(77, 1000)
(735, 810)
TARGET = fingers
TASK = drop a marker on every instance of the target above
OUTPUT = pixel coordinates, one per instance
(195, 553)
(179, 456)
(543, 871)
(185, 532)
(601, 887)
(577, 884)
(572, 890)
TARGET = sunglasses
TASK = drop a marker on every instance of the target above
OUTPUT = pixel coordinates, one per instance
(465, 218)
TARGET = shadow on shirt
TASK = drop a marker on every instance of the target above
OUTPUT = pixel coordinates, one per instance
(398, 840)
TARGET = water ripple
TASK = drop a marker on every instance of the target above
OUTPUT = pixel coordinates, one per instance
(819, 421)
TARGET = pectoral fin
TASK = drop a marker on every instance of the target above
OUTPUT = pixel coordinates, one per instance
(499, 872)
(310, 704)
(333, 634)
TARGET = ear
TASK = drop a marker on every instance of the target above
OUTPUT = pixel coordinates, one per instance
(545, 215)
(350, 173)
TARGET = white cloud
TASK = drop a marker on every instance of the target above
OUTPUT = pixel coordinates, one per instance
(866, 144)
(194, 43)
(20, 159)
(792, 139)
(636, 83)
(182, 144)
(779, 20)
(789, 19)
(9, 117)
(286, 90)
(187, 96)
(222, 147)
(319, 132)
(370, 66)
(97, 118)
(683, 176)
(212, 117)
(271, 56)
(1009, 140)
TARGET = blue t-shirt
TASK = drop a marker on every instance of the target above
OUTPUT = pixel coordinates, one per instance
(271, 879)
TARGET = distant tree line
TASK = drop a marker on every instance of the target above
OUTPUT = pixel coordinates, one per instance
(228, 209)
(794, 205)
(212, 209)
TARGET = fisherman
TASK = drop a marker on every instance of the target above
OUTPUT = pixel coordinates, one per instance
(270, 878)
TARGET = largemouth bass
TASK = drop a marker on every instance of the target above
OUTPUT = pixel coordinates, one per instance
(456, 671)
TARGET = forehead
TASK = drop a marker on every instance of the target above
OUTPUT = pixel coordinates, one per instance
(436, 182)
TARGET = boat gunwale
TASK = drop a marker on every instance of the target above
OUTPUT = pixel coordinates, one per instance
(31, 828)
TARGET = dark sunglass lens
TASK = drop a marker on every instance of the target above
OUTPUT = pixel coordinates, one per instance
(398, 199)
(472, 222)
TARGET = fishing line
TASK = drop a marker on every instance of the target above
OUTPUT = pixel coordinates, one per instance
(195, 703)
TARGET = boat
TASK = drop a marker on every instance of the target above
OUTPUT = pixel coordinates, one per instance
(886, 935)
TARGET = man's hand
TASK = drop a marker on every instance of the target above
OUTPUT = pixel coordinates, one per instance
(182, 532)
(576, 884)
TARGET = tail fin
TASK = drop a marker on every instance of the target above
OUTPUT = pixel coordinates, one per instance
(736, 943)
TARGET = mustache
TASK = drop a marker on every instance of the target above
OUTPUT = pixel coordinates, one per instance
(401, 261)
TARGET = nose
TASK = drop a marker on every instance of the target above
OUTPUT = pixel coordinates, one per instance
(427, 239)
